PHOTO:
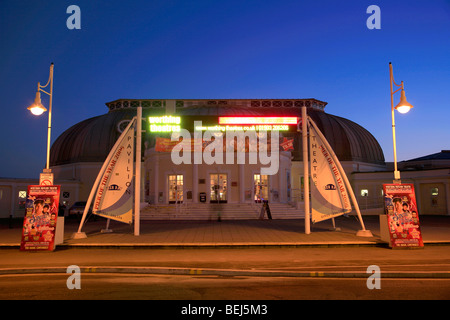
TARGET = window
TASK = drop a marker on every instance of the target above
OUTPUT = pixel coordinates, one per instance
(22, 194)
(434, 196)
(434, 191)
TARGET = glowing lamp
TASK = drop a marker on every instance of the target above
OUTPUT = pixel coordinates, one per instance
(37, 108)
(403, 106)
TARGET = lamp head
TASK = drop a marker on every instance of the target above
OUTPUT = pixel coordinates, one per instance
(37, 108)
(403, 106)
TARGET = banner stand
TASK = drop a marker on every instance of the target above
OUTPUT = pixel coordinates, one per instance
(334, 228)
(400, 224)
(384, 229)
(40, 230)
(360, 233)
(364, 233)
(107, 229)
(59, 236)
(79, 235)
(82, 235)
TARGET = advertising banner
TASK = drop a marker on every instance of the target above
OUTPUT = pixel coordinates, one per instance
(114, 197)
(402, 216)
(166, 144)
(329, 196)
(41, 214)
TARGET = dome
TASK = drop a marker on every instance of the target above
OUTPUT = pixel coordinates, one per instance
(349, 140)
(91, 140)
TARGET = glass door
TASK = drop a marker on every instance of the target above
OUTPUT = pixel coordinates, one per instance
(175, 188)
(261, 187)
(218, 185)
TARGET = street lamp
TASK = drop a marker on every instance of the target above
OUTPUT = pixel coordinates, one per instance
(403, 107)
(37, 109)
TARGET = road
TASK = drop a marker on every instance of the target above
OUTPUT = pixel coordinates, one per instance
(239, 258)
(179, 287)
(256, 284)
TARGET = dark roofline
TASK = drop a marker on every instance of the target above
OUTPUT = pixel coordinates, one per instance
(443, 155)
(245, 99)
(186, 103)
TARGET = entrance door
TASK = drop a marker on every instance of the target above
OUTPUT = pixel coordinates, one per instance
(175, 188)
(218, 185)
(261, 187)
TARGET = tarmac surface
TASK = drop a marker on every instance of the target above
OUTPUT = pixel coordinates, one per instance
(230, 233)
(271, 245)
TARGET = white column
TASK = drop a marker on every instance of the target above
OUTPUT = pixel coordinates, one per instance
(156, 176)
(195, 182)
(305, 169)
(137, 177)
(281, 189)
(241, 183)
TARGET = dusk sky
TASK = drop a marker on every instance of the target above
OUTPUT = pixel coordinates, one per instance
(224, 49)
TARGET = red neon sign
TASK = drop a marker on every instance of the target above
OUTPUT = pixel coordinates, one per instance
(258, 120)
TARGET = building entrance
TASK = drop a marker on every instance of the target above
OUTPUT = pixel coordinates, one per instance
(175, 188)
(219, 187)
(261, 187)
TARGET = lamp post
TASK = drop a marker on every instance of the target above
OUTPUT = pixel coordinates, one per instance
(403, 107)
(37, 109)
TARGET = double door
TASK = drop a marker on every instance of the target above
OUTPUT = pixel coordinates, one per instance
(175, 188)
(218, 187)
(260, 187)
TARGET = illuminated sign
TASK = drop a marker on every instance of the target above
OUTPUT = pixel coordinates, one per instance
(170, 123)
(258, 120)
(258, 127)
(164, 124)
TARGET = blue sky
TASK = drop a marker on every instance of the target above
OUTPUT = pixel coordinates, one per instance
(224, 49)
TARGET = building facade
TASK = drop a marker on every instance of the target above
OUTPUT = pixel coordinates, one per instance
(78, 154)
(429, 174)
(80, 151)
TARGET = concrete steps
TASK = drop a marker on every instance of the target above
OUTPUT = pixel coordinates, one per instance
(211, 211)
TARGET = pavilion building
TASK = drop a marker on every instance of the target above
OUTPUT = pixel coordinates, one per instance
(80, 151)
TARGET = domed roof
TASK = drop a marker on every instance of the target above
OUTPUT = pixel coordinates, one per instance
(91, 140)
(349, 140)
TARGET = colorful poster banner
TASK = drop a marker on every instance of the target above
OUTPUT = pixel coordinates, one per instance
(402, 216)
(166, 144)
(114, 197)
(329, 197)
(41, 214)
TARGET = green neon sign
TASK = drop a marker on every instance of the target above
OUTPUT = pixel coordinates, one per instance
(164, 124)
